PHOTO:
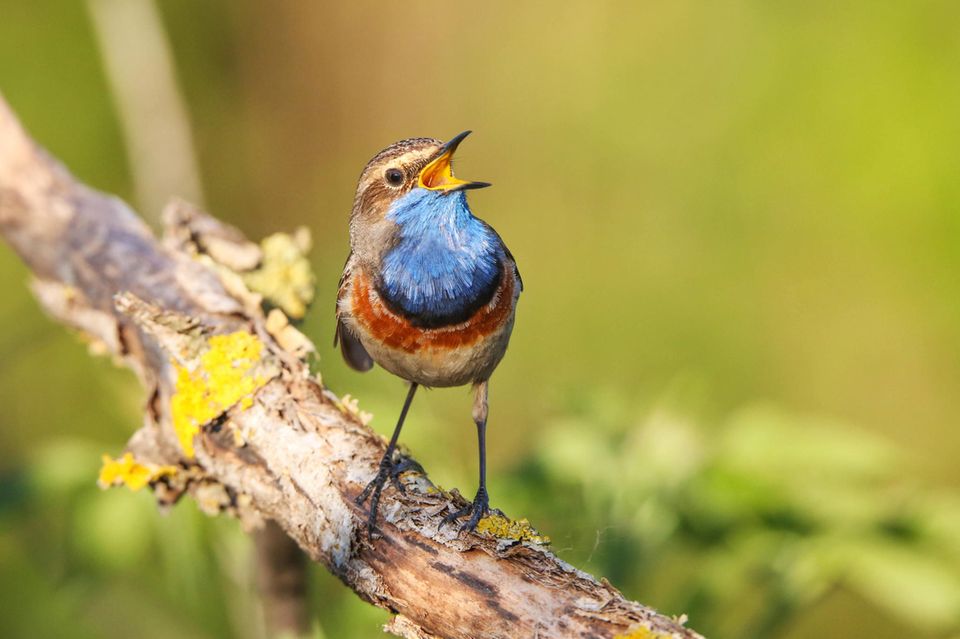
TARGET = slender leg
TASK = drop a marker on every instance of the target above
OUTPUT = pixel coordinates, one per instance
(481, 503)
(375, 487)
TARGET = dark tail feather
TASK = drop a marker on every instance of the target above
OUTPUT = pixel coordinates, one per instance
(354, 354)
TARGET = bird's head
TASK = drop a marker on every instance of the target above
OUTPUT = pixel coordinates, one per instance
(421, 165)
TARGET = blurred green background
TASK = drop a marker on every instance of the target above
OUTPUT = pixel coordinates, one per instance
(734, 382)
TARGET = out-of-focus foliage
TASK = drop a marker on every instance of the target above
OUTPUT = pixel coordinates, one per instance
(767, 508)
(759, 196)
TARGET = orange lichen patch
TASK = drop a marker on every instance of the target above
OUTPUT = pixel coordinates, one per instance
(227, 374)
(396, 332)
(131, 473)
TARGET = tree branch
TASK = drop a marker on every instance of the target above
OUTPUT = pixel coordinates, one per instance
(271, 443)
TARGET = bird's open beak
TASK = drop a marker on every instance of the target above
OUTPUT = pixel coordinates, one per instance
(438, 174)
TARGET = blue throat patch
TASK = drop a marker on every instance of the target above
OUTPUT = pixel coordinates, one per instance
(445, 263)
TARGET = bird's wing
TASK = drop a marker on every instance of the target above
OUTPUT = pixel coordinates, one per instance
(510, 259)
(354, 354)
(516, 269)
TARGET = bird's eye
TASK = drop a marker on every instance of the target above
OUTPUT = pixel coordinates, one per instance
(394, 177)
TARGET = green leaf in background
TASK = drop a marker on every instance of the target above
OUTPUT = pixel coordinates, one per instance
(919, 586)
(785, 507)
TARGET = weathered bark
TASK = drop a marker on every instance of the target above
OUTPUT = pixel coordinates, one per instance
(293, 453)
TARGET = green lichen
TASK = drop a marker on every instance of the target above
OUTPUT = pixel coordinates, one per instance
(501, 527)
(227, 374)
(284, 277)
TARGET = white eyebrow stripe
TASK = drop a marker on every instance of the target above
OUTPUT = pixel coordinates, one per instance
(410, 157)
(417, 154)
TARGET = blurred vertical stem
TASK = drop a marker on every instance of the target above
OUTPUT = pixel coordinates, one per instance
(282, 582)
(139, 66)
(140, 69)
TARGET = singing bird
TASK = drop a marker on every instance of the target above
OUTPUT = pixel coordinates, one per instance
(429, 291)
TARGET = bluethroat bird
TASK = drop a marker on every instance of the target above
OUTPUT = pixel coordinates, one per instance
(429, 291)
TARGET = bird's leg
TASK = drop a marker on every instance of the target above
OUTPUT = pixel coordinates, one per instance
(481, 503)
(388, 470)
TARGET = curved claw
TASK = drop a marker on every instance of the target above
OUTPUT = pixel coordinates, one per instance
(477, 511)
(401, 467)
(388, 470)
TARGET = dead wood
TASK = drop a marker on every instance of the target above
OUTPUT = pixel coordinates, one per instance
(287, 451)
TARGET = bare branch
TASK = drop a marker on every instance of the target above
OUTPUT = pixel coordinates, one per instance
(271, 443)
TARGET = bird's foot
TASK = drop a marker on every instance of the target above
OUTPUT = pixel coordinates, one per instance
(401, 467)
(388, 470)
(479, 509)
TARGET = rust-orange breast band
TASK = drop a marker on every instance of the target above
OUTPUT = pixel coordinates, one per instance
(396, 332)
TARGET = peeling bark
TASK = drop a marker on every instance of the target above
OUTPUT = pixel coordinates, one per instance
(296, 455)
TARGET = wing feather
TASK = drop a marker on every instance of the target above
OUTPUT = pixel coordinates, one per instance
(354, 354)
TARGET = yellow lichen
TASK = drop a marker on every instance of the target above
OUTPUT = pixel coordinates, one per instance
(239, 440)
(284, 277)
(504, 528)
(351, 405)
(642, 632)
(128, 471)
(226, 375)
